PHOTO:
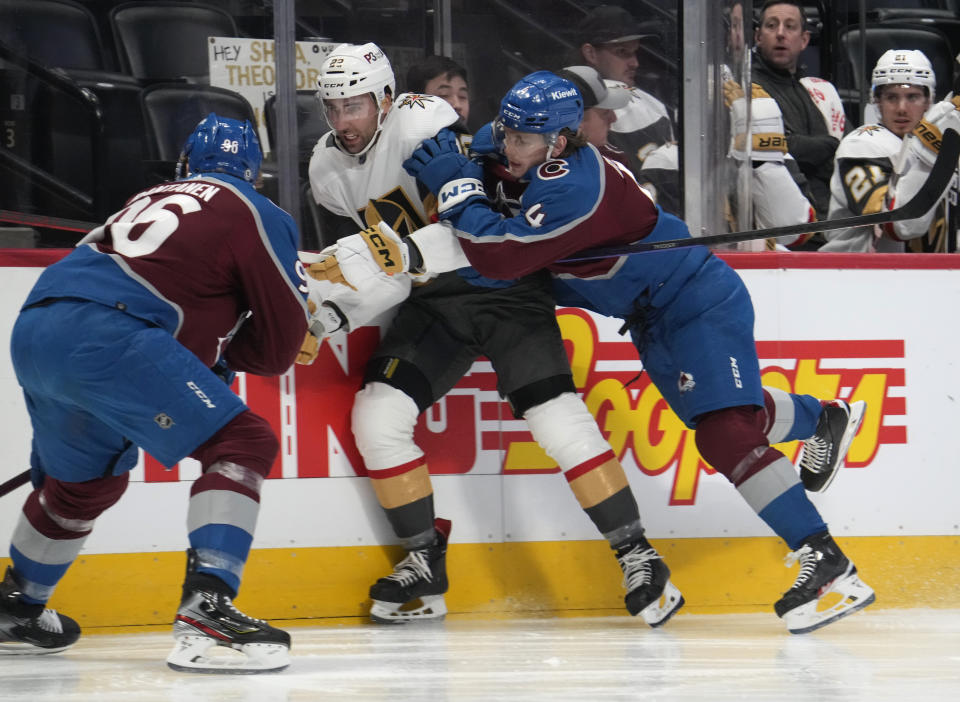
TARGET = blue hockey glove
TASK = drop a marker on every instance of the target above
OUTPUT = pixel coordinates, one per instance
(483, 142)
(438, 164)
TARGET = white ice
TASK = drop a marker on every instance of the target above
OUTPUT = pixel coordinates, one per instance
(902, 655)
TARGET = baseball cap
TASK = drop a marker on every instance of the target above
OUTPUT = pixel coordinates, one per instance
(595, 91)
(608, 24)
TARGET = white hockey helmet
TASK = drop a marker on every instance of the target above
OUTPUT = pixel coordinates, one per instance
(356, 69)
(903, 67)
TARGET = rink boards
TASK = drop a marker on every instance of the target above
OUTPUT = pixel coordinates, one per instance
(833, 325)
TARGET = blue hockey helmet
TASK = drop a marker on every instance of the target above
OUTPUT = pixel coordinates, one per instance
(222, 145)
(543, 103)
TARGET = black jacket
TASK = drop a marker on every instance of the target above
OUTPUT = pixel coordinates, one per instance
(808, 140)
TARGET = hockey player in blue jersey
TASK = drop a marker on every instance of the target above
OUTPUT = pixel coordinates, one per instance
(114, 349)
(688, 313)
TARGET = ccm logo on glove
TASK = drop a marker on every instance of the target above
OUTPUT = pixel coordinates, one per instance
(386, 253)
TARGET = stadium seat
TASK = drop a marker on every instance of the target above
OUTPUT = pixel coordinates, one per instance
(164, 41)
(172, 110)
(54, 33)
(879, 38)
(311, 124)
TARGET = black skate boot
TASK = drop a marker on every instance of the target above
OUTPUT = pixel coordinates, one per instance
(823, 453)
(207, 618)
(823, 570)
(31, 628)
(647, 579)
(422, 576)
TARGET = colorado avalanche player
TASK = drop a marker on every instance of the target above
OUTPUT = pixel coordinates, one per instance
(688, 313)
(447, 322)
(116, 347)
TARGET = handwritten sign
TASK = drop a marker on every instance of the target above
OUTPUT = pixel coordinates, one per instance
(247, 66)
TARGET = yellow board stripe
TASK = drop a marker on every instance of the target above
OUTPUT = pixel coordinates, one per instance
(566, 577)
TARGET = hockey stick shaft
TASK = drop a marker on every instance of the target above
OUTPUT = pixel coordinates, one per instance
(14, 482)
(929, 194)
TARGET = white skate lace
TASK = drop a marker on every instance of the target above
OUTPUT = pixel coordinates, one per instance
(815, 454)
(229, 604)
(636, 567)
(808, 563)
(49, 620)
(412, 568)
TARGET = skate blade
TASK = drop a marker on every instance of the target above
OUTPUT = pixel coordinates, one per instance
(854, 596)
(203, 654)
(19, 648)
(669, 603)
(431, 607)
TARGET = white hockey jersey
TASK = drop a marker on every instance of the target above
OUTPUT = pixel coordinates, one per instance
(862, 168)
(374, 186)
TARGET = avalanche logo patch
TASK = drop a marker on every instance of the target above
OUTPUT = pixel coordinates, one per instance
(686, 382)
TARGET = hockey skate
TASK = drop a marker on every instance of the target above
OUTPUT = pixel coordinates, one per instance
(827, 587)
(823, 453)
(31, 628)
(208, 624)
(647, 579)
(420, 577)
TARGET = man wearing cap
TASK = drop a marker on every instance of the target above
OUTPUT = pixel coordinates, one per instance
(608, 39)
(600, 100)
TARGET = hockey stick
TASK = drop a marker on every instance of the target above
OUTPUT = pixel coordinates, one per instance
(14, 482)
(929, 194)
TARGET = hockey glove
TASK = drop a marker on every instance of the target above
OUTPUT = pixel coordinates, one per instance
(765, 131)
(483, 142)
(929, 132)
(356, 258)
(388, 250)
(309, 350)
(451, 176)
(322, 324)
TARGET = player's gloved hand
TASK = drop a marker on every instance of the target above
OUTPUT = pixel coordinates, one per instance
(389, 251)
(483, 143)
(765, 131)
(309, 350)
(323, 322)
(929, 132)
(451, 176)
(356, 258)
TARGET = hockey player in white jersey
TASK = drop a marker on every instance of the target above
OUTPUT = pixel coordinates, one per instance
(449, 320)
(867, 159)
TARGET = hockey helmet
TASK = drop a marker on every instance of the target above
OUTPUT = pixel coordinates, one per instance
(903, 67)
(222, 145)
(542, 102)
(356, 69)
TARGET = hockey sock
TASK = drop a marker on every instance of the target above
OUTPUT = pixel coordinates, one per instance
(790, 417)
(617, 518)
(413, 523)
(221, 518)
(777, 496)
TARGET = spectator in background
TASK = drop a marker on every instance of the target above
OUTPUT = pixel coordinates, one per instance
(608, 39)
(600, 99)
(813, 117)
(864, 175)
(443, 77)
(777, 188)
